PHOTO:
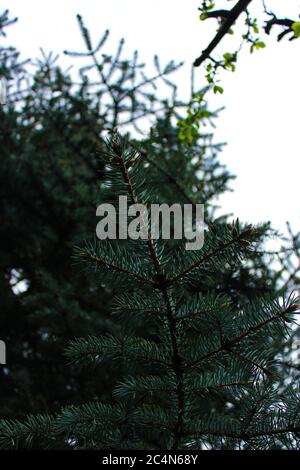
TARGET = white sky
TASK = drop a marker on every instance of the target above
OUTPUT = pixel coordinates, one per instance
(262, 98)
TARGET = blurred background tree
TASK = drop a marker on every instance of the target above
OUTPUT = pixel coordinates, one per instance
(51, 126)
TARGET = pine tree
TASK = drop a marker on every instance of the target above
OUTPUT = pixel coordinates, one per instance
(194, 336)
(49, 127)
(197, 345)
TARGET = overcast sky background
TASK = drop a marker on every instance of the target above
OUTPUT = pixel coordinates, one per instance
(262, 98)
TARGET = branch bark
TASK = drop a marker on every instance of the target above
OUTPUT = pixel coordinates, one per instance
(232, 16)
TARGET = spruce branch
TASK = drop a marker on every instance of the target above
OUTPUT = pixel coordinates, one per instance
(98, 349)
(250, 361)
(243, 436)
(169, 177)
(83, 254)
(293, 308)
(239, 239)
(118, 147)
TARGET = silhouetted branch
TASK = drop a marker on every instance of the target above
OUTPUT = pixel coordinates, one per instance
(230, 17)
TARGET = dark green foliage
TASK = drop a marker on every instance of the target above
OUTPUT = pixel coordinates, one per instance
(201, 346)
(50, 132)
(170, 349)
(180, 351)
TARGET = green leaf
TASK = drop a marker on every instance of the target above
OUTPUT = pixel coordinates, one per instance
(260, 45)
(203, 16)
(228, 56)
(296, 28)
(257, 45)
(218, 89)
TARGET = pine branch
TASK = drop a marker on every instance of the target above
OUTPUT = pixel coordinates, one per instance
(97, 349)
(177, 362)
(95, 259)
(170, 177)
(161, 284)
(239, 239)
(250, 361)
(293, 308)
(244, 436)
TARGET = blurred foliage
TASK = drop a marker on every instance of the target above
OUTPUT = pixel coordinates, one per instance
(51, 131)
